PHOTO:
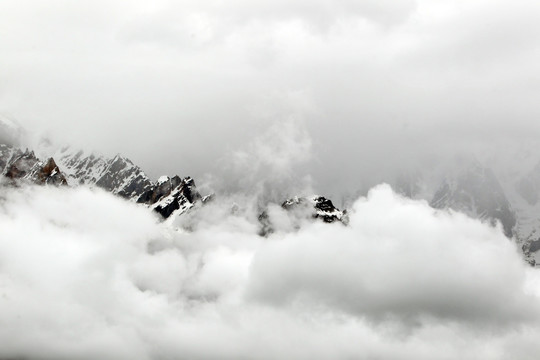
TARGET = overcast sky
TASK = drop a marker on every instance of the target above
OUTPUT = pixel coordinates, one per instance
(331, 89)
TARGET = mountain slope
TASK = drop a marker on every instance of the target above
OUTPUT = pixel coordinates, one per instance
(7, 154)
(171, 195)
(118, 175)
(28, 167)
(476, 191)
(316, 206)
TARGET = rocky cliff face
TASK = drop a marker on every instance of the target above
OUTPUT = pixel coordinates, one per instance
(122, 177)
(300, 209)
(118, 175)
(22, 166)
(50, 174)
(159, 190)
(171, 195)
(7, 154)
(316, 206)
(27, 166)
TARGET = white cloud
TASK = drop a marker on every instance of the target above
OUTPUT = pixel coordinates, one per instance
(86, 275)
(398, 259)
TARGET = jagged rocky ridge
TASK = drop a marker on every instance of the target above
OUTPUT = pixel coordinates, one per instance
(471, 188)
(122, 177)
(302, 208)
(17, 165)
(169, 195)
(117, 175)
(318, 207)
(474, 190)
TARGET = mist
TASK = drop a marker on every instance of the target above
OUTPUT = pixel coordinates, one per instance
(401, 281)
(178, 86)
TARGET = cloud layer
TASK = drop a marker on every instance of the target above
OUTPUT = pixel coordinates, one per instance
(86, 275)
(378, 83)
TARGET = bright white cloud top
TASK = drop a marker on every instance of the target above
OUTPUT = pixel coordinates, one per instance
(402, 281)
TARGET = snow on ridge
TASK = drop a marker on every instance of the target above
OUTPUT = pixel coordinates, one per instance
(163, 179)
(118, 174)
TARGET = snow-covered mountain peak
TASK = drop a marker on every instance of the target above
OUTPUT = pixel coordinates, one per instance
(118, 175)
(171, 195)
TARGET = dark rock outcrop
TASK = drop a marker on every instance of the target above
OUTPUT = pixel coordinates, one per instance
(27, 166)
(162, 188)
(302, 208)
(169, 195)
(22, 166)
(50, 174)
(7, 154)
(318, 207)
(48, 170)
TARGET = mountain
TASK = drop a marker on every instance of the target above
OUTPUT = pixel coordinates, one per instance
(118, 175)
(171, 195)
(476, 191)
(316, 206)
(303, 208)
(528, 186)
(524, 196)
(509, 194)
(27, 166)
(7, 154)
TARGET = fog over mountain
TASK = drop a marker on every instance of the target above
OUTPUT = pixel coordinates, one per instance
(372, 84)
(269, 179)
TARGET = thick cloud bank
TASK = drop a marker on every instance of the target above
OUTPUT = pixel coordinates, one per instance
(85, 275)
